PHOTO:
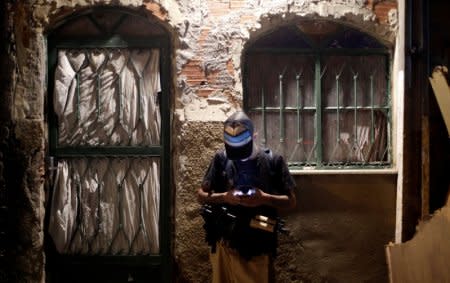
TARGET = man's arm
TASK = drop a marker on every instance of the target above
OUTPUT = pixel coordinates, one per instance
(282, 202)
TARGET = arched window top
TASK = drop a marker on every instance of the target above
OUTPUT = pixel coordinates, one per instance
(350, 38)
(317, 34)
(106, 21)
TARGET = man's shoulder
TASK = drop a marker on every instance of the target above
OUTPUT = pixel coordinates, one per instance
(219, 158)
(220, 153)
(264, 152)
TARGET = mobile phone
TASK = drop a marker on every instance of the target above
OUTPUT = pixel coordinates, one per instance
(251, 192)
(245, 191)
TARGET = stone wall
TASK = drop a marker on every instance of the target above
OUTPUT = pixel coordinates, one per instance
(22, 143)
(208, 40)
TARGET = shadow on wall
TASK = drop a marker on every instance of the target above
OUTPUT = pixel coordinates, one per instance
(339, 230)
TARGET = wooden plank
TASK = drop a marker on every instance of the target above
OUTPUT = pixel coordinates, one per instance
(442, 92)
(425, 257)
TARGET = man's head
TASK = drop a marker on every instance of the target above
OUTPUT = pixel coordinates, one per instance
(238, 136)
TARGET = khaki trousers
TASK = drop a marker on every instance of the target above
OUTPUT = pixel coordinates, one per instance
(229, 267)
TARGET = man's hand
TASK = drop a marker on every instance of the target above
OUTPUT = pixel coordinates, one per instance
(232, 198)
(256, 199)
(260, 197)
(228, 197)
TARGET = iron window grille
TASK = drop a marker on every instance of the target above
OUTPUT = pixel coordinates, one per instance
(319, 94)
(111, 167)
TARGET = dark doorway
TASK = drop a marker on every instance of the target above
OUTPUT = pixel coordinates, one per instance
(109, 137)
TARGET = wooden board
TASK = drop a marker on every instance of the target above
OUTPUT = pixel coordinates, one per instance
(442, 92)
(425, 258)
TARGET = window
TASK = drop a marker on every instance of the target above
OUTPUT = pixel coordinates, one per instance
(318, 93)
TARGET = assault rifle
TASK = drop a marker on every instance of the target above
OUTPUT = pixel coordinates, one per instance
(219, 222)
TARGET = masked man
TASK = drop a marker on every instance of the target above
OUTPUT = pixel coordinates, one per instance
(242, 191)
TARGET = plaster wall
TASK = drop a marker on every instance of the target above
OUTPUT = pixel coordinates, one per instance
(208, 39)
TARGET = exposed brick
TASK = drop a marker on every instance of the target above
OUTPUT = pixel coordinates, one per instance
(203, 35)
(218, 9)
(205, 92)
(156, 10)
(230, 67)
(236, 4)
(370, 4)
(195, 82)
(194, 73)
(248, 19)
(382, 9)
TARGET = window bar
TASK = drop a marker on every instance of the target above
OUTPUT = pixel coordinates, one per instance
(263, 115)
(355, 112)
(119, 82)
(120, 93)
(99, 87)
(98, 217)
(338, 121)
(372, 114)
(139, 99)
(141, 211)
(97, 100)
(120, 210)
(141, 214)
(121, 216)
(280, 78)
(77, 81)
(389, 111)
(299, 124)
(141, 87)
(318, 117)
(141, 218)
(79, 216)
(120, 193)
(139, 94)
(119, 205)
(77, 90)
